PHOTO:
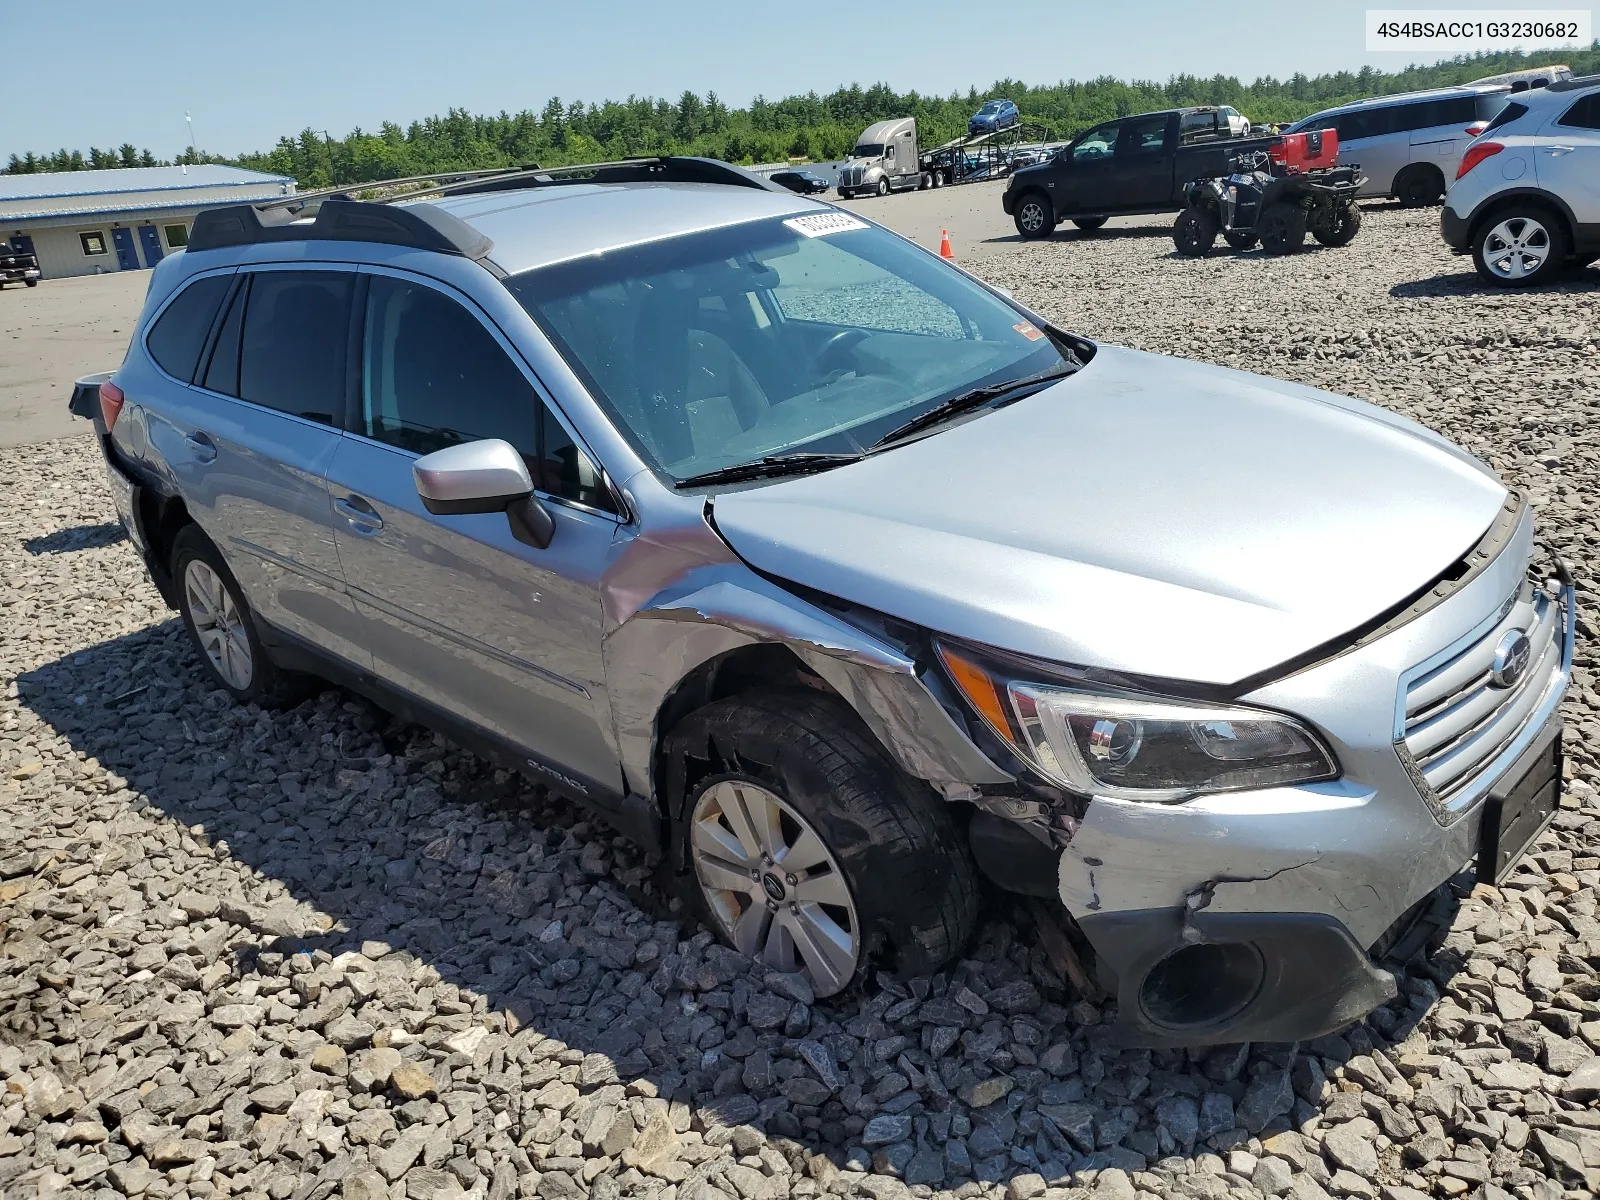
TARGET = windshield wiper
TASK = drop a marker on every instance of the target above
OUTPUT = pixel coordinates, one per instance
(976, 398)
(769, 467)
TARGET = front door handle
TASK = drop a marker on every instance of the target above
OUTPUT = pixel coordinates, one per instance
(358, 514)
(1559, 150)
(201, 446)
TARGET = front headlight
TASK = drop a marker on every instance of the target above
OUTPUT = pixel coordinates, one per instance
(1103, 742)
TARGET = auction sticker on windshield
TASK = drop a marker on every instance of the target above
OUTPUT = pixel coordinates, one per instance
(822, 224)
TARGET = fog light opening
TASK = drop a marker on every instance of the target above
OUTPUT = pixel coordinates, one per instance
(1202, 985)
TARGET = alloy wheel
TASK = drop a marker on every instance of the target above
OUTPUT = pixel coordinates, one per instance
(218, 624)
(1516, 248)
(773, 886)
(1032, 216)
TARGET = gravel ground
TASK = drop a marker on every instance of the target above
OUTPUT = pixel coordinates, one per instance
(318, 953)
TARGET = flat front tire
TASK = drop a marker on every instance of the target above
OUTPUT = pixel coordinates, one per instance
(222, 627)
(804, 847)
(1034, 216)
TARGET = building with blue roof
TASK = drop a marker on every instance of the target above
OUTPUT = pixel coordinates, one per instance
(125, 219)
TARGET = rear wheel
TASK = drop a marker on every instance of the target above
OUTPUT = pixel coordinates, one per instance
(1034, 216)
(222, 627)
(1088, 224)
(1519, 247)
(1419, 187)
(1338, 226)
(808, 850)
(1194, 232)
(1282, 228)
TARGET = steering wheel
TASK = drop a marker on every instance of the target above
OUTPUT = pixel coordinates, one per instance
(836, 347)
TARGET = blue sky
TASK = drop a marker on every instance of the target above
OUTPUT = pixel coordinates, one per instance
(97, 73)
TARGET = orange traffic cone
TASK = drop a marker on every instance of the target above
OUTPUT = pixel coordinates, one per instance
(944, 245)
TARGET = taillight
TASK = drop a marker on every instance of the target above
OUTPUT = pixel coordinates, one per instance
(1476, 153)
(1476, 128)
(110, 403)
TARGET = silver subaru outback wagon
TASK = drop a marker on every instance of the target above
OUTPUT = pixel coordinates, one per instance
(844, 581)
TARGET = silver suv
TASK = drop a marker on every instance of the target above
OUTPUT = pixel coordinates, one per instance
(843, 580)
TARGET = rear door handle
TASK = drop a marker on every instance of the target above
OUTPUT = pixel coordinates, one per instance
(358, 514)
(1559, 150)
(201, 446)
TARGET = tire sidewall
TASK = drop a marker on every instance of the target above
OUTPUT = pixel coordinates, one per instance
(189, 545)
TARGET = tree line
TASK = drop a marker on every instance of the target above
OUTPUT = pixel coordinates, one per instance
(810, 126)
(125, 155)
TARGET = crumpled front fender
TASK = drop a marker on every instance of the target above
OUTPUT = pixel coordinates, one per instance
(722, 607)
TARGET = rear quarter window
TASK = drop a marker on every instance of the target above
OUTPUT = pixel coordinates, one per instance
(1506, 115)
(1585, 114)
(179, 334)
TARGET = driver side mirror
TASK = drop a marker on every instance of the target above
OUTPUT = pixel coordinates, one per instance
(484, 477)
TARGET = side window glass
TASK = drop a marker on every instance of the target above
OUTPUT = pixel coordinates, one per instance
(434, 376)
(292, 348)
(1585, 114)
(1146, 136)
(222, 375)
(179, 334)
(565, 470)
(1097, 143)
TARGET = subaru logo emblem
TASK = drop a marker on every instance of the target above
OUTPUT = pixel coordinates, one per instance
(773, 886)
(1511, 656)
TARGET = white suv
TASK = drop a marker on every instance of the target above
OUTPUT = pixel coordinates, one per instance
(1526, 200)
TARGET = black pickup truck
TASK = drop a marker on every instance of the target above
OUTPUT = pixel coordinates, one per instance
(17, 267)
(1127, 167)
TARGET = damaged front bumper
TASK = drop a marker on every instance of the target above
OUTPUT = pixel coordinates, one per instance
(1252, 916)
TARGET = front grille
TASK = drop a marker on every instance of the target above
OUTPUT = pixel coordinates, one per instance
(1459, 717)
(850, 176)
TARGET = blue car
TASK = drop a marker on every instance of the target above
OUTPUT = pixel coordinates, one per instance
(994, 116)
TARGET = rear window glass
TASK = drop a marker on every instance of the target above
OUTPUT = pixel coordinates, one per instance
(179, 334)
(1506, 115)
(1489, 106)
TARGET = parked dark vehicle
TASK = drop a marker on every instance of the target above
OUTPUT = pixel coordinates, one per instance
(1130, 166)
(803, 182)
(17, 267)
(1277, 195)
(994, 116)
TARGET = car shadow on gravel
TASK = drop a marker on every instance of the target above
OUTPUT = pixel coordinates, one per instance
(1466, 283)
(389, 872)
(80, 537)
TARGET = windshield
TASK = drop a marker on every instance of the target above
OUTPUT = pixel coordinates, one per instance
(868, 150)
(814, 334)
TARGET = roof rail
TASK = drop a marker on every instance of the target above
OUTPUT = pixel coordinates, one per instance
(650, 169)
(421, 226)
(1573, 84)
(340, 217)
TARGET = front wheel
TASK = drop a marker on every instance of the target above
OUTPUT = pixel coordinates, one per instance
(1194, 232)
(1088, 224)
(1339, 226)
(222, 627)
(1519, 248)
(808, 850)
(1034, 216)
(883, 187)
(1282, 228)
(31, 282)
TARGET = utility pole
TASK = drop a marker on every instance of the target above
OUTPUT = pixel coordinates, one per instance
(193, 153)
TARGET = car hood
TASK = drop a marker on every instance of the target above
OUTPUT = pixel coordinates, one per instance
(1147, 515)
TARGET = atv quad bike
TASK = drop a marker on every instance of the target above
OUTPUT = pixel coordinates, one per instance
(1275, 196)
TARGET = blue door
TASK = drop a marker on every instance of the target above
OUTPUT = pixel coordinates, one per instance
(127, 259)
(150, 241)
